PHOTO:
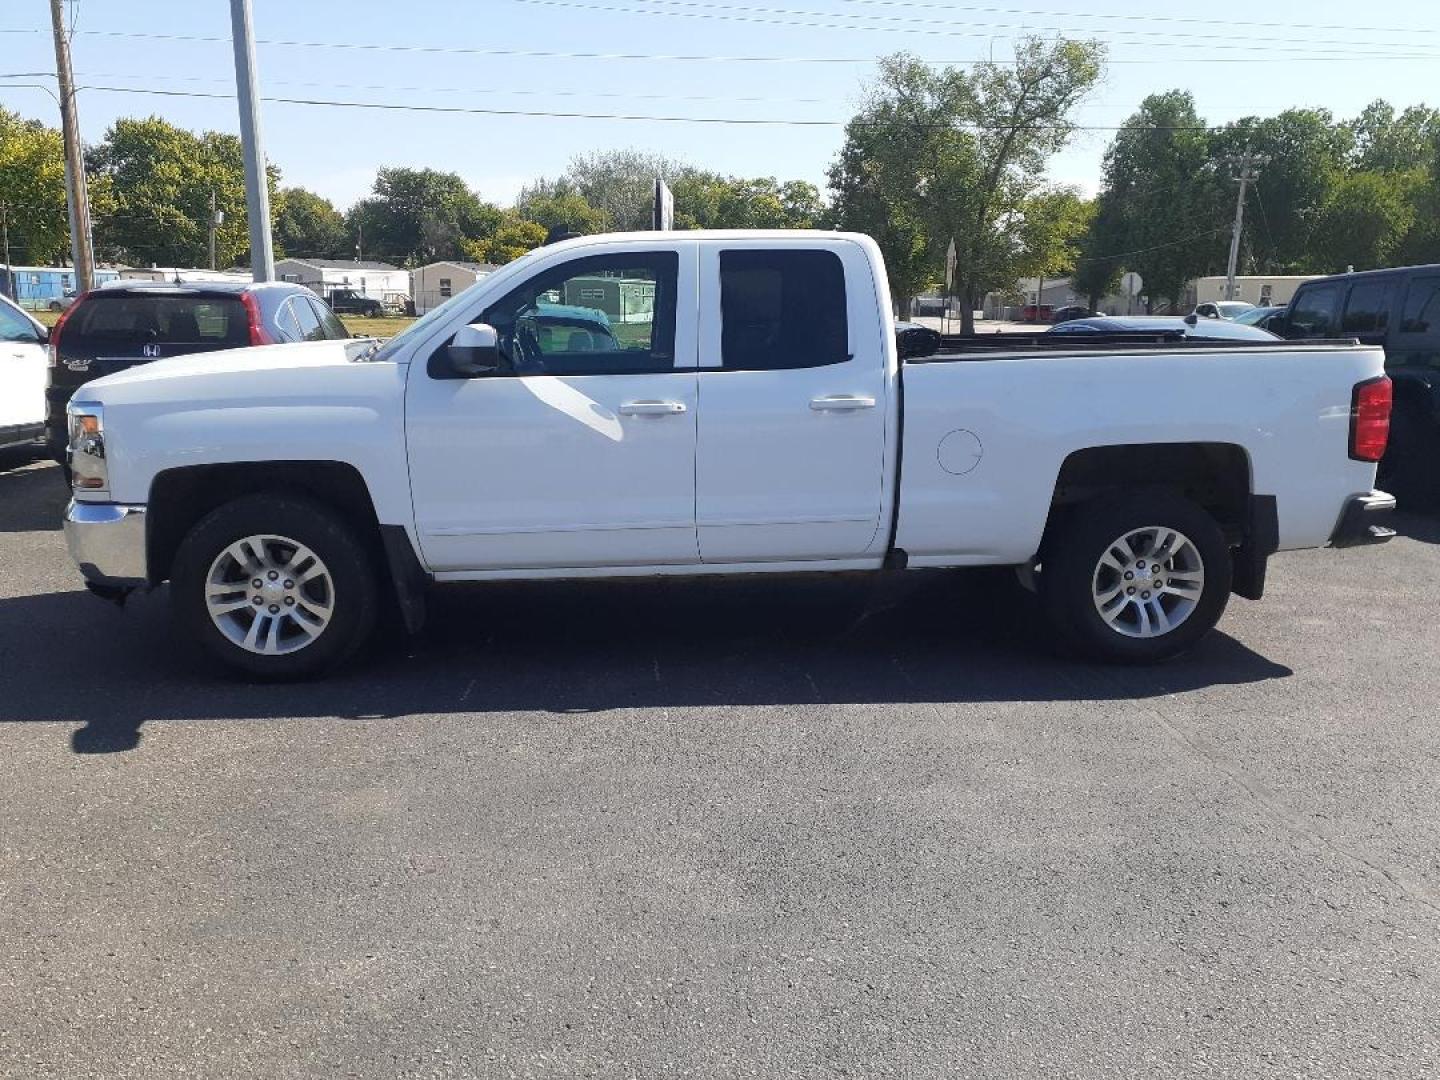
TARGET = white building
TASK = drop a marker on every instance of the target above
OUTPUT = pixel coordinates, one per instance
(1261, 290)
(323, 276)
(431, 285)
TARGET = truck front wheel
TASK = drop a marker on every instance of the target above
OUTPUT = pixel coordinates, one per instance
(275, 587)
(1135, 578)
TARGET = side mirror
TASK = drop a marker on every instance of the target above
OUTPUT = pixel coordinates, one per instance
(1276, 324)
(475, 350)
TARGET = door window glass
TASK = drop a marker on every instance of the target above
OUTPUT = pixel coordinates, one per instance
(330, 326)
(1367, 311)
(15, 327)
(1422, 307)
(308, 321)
(782, 309)
(607, 314)
(1312, 315)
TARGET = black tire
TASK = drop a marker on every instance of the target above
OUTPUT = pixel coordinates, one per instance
(351, 571)
(1070, 576)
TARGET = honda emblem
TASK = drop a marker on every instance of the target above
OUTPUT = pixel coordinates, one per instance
(150, 350)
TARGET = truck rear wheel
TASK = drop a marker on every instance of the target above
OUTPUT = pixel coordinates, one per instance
(275, 587)
(1135, 578)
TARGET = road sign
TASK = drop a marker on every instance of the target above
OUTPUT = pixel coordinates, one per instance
(1132, 283)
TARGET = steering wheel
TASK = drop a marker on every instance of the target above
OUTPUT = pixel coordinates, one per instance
(528, 357)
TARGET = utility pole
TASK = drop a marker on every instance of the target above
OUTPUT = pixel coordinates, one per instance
(9, 289)
(1247, 171)
(76, 197)
(257, 190)
(359, 240)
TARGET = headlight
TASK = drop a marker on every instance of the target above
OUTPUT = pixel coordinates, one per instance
(87, 447)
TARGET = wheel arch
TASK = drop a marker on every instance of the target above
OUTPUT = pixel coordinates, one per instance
(181, 497)
(1214, 475)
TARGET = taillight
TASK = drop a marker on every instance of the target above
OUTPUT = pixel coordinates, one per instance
(1370, 418)
(60, 325)
(258, 334)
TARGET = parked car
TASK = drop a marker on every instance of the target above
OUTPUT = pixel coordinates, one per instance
(1221, 309)
(1398, 310)
(754, 419)
(1036, 313)
(350, 302)
(23, 363)
(1188, 326)
(913, 339)
(116, 327)
(1074, 311)
(1259, 316)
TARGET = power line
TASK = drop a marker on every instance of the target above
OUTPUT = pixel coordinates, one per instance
(532, 54)
(1157, 247)
(747, 121)
(704, 9)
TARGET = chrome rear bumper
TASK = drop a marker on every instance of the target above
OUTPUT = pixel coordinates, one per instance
(107, 542)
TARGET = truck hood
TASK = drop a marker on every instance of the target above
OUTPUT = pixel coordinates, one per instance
(266, 363)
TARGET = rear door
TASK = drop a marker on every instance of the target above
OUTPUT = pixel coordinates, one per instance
(793, 380)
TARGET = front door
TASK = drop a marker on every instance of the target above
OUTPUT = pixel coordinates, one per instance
(580, 451)
(790, 459)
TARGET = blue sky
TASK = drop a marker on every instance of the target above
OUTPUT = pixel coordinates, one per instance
(1258, 58)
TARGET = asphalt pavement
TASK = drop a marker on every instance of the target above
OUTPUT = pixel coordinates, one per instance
(854, 826)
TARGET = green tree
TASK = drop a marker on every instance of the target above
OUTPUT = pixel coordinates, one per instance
(559, 206)
(618, 183)
(1100, 261)
(1158, 210)
(417, 216)
(32, 189)
(309, 225)
(955, 154)
(1309, 154)
(708, 200)
(512, 237)
(159, 180)
(1385, 142)
(1363, 222)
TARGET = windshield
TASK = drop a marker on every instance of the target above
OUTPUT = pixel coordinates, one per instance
(1231, 308)
(1255, 316)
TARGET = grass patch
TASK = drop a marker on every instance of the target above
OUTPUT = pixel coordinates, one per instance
(386, 326)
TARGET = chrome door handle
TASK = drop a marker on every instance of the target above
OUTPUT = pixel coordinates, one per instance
(652, 408)
(841, 403)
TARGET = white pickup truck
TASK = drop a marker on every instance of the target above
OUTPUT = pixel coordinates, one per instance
(711, 403)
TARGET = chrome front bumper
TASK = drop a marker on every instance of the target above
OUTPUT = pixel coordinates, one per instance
(107, 542)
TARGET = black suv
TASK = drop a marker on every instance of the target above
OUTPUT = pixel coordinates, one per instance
(350, 302)
(116, 327)
(1399, 310)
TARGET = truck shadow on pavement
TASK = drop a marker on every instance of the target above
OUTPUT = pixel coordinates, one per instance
(583, 647)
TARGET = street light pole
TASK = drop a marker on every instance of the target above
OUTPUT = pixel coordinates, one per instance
(1247, 171)
(77, 200)
(257, 190)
